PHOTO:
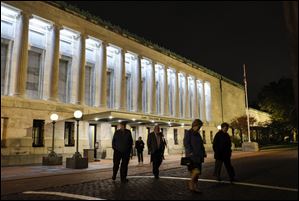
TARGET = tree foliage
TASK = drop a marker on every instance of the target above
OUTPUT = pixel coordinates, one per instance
(240, 123)
(277, 98)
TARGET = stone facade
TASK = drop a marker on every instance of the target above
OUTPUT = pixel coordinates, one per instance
(221, 99)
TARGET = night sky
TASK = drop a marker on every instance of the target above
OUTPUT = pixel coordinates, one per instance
(218, 35)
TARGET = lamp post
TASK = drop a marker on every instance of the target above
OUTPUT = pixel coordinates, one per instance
(77, 115)
(53, 158)
(77, 161)
(54, 118)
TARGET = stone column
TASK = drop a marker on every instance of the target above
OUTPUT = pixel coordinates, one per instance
(166, 98)
(123, 92)
(104, 75)
(23, 57)
(154, 91)
(139, 81)
(195, 108)
(81, 97)
(204, 119)
(55, 64)
(187, 105)
(177, 95)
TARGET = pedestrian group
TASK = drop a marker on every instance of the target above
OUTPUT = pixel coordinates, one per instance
(122, 144)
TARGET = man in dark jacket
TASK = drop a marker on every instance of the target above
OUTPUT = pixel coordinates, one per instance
(222, 152)
(139, 145)
(156, 146)
(122, 144)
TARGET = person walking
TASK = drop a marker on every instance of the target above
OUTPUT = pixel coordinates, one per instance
(194, 149)
(222, 152)
(122, 143)
(139, 146)
(156, 147)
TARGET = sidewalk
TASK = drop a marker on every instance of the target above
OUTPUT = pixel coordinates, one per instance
(31, 171)
(23, 172)
(24, 178)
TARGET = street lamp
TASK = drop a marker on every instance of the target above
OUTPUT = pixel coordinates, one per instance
(77, 115)
(54, 118)
(53, 158)
(77, 161)
(219, 127)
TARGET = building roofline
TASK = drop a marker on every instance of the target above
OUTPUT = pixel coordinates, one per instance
(125, 33)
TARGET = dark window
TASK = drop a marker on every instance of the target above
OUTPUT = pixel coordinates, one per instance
(110, 88)
(34, 80)
(129, 85)
(64, 83)
(38, 133)
(211, 136)
(69, 133)
(175, 136)
(89, 84)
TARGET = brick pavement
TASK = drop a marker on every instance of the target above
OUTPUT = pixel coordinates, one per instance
(88, 180)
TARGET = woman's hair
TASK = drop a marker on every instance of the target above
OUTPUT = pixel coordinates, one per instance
(197, 122)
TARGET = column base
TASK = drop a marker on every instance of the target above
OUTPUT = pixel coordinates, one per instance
(53, 99)
(77, 163)
(52, 160)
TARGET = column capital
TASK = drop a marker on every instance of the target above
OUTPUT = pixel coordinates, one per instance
(124, 51)
(83, 35)
(57, 26)
(105, 43)
(27, 15)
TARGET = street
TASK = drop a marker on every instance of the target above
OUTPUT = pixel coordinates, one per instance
(270, 174)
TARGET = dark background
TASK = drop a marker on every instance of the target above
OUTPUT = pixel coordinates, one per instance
(221, 36)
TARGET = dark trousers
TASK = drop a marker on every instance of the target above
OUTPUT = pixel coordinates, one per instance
(124, 158)
(140, 156)
(228, 166)
(157, 158)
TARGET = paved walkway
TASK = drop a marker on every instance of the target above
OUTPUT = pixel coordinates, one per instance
(24, 178)
(31, 171)
(264, 175)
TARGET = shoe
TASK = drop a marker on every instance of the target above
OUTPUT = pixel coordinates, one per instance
(113, 178)
(157, 177)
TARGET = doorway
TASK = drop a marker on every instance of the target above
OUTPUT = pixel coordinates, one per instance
(92, 138)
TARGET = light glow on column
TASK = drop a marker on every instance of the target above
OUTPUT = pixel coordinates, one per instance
(207, 90)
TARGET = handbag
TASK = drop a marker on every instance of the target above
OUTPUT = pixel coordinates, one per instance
(186, 161)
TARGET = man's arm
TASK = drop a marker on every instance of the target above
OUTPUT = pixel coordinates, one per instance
(130, 140)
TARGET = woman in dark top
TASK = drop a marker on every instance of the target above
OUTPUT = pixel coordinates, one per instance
(195, 150)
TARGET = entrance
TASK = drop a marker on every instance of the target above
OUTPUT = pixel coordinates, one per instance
(92, 139)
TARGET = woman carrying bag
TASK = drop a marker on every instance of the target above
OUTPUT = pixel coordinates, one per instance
(194, 149)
